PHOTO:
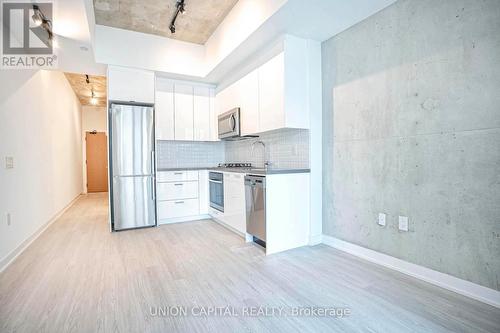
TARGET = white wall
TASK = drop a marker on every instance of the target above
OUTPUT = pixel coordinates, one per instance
(93, 119)
(40, 126)
(128, 48)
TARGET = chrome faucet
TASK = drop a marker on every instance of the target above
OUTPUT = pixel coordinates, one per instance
(267, 164)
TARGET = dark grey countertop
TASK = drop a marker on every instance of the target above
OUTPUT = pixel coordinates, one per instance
(252, 171)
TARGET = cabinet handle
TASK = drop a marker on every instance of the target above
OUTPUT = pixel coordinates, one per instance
(178, 173)
(178, 184)
(179, 202)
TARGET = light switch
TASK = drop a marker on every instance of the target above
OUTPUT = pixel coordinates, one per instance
(381, 219)
(403, 223)
(9, 162)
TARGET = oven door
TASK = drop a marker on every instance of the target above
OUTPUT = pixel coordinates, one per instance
(229, 124)
(216, 186)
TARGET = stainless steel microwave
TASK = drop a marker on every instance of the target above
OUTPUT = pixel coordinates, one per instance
(229, 126)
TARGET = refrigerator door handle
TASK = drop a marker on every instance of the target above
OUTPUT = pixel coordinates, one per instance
(152, 162)
(153, 190)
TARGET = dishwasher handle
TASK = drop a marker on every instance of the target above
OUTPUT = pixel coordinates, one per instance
(253, 181)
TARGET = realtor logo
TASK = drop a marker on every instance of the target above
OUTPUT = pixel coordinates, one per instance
(27, 37)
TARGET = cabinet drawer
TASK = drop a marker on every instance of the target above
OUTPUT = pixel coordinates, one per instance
(176, 176)
(177, 190)
(177, 208)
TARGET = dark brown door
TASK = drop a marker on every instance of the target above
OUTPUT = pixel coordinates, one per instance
(97, 161)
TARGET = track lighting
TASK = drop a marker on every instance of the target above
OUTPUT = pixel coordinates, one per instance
(180, 8)
(41, 20)
(93, 100)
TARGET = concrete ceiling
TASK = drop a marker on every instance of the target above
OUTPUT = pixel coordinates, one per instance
(196, 25)
(83, 90)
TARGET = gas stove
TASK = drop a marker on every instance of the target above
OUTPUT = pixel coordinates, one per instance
(235, 165)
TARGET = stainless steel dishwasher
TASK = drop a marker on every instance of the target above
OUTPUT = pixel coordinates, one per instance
(255, 197)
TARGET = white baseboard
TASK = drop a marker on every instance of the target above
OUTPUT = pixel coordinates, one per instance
(12, 256)
(228, 227)
(184, 219)
(315, 239)
(466, 288)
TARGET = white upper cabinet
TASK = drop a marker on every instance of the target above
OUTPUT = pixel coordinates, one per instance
(243, 94)
(131, 85)
(164, 109)
(226, 100)
(214, 130)
(271, 94)
(201, 114)
(248, 102)
(184, 117)
(274, 95)
(185, 111)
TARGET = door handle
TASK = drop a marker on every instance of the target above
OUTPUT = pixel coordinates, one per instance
(153, 189)
(152, 162)
(233, 122)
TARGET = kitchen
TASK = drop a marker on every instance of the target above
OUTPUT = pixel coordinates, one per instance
(250, 166)
(237, 155)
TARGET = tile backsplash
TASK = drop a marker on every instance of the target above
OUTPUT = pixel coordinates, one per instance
(285, 148)
(188, 154)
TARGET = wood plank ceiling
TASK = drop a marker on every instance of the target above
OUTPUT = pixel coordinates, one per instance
(196, 25)
(83, 90)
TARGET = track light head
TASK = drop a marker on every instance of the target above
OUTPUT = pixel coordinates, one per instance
(179, 9)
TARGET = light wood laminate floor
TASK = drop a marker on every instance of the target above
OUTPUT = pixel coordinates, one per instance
(79, 277)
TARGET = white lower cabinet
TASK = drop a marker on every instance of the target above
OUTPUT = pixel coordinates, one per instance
(204, 191)
(177, 208)
(179, 195)
(176, 176)
(234, 201)
(177, 190)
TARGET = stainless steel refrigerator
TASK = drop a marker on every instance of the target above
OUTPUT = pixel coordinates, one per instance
(132, 166)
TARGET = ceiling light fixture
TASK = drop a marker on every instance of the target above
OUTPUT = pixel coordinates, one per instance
(180, 8)
(93, 100)
(42, 21)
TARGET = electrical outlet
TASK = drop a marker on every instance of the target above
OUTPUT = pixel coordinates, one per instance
(9, 219)
(381, 219)
(9, 162)
(403, 223)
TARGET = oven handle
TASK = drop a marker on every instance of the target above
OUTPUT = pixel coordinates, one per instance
(215, 181)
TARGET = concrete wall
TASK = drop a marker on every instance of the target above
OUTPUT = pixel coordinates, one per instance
(411, 126)
(40, 127)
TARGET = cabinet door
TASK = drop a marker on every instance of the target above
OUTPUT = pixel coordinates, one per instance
(201, 113)
(183, 101)
(204, 191)
(177, 208)
(226, 99)
(234, 197)
(214, 125)
(164, 110)
(271, 94)
(247, 99)
(130, 85)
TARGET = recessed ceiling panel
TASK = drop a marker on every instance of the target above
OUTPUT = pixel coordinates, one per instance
(196, 25)
(83, 90)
